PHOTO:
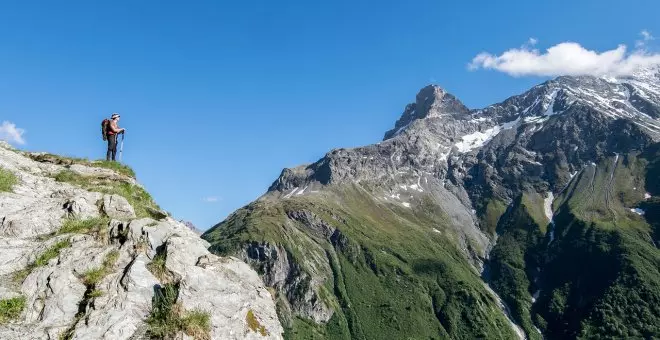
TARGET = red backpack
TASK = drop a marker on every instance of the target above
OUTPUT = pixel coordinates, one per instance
(104, 128)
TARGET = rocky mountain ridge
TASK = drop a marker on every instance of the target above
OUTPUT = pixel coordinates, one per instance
(502, 186)
(86, 254)
(438, 127)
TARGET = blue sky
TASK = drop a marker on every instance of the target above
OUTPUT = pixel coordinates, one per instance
(219, 96)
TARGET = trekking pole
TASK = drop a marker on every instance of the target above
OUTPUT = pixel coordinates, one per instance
(121, 146)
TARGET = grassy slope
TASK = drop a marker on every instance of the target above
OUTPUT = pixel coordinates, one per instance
(600, 277)
(392, 276)
(63, 160)
(139, 198)
(515, 257)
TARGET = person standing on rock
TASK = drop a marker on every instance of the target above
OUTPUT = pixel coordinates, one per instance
(112, 131)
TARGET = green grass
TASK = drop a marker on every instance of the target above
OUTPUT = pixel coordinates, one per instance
(67, 161)
(600, 276)
(491, 216)
(95, 293)
(7, 180)
(516, 255)
(93, 276)
(533, 205)
(158, 268)
(163, 319)
(77, 226)
(167, 318)
(601, 283)
(11, 309)
(390, 276)
(111, 259)
(196, 324)
(68, 176)
(51, 253)
(603, 194)
(42, 260)
(142, 202)
(116, 166)
(254, 325)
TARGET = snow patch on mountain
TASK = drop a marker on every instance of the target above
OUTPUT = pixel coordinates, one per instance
(638, 211)
(293, 192)
(547, 205)
(478, 139)
(549, 111)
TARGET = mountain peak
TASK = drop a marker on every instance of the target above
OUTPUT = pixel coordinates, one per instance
(431, 101)
(445, 186)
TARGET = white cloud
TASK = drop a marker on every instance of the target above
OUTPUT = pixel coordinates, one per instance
(211, 199)
(532, 41)
(10, 133)
(646, 37)
(567, 58)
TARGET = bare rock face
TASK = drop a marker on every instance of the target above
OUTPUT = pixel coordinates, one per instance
(101, 283)
(117, 207)
(287, 278)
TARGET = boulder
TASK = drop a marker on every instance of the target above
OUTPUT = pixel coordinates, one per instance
(117, 207)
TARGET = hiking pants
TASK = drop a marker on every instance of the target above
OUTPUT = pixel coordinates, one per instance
(112, 148)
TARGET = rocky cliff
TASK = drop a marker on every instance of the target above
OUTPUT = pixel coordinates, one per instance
(87, 254)
(549, 198)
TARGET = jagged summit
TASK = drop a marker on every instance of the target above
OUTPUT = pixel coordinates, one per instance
(431, 101)
(437, 134)
(632, 97)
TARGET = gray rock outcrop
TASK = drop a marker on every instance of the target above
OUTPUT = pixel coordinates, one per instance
(116, 206)
(102, 284)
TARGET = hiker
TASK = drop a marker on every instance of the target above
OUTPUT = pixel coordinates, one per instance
(111, 131)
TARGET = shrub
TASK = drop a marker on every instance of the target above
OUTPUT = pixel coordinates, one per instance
(167, 318)
(163, 322)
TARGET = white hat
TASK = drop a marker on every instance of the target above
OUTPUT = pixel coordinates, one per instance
(115, 115)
